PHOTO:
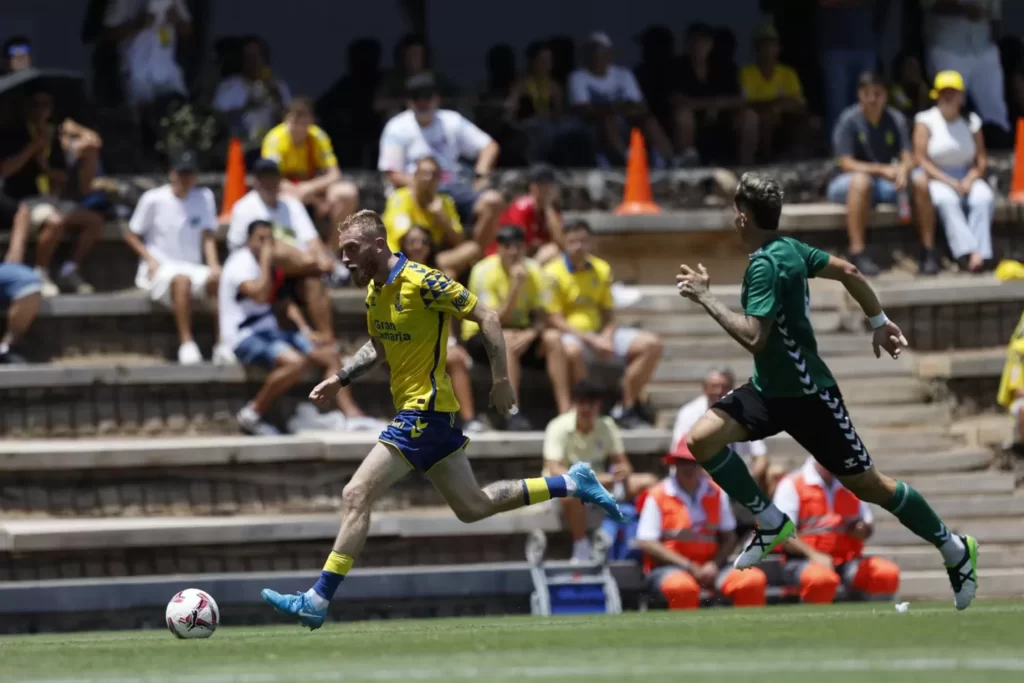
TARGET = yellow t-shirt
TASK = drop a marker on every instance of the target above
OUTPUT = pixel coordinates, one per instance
(410, 315)
(783, 83)
(403, 212)
(563, 444)
(1013, 370)
(299, 162)
(491, 283)
(580, 295)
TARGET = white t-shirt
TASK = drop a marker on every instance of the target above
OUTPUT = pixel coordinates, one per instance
(289, 217)
(692, 411)
(235, 92)
(150, 54)
(449, 137)
(233, 309)
(951, 144)
(649, 526)
(787, 499)
(617, 85)
(173, 228)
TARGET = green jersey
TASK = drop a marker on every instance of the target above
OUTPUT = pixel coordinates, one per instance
(775, 287)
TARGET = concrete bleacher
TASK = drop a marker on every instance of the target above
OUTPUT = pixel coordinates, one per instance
(201, 500)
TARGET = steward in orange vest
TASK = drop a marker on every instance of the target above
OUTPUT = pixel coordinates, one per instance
(828, 550)
(687, 532)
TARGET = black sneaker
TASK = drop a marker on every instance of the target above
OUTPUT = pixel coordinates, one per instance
(865, 265)
(630, 419)
(929, 263)
(72, 283)
(12, 358)
(518, 423)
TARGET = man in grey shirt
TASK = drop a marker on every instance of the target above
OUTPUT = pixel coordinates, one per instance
(959, 37)
(872, 147)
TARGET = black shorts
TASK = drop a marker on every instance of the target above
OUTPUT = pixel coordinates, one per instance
(531, 357)
(818, 422)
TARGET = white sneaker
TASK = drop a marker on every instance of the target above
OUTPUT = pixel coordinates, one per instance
(48, 287)
(188, 354)
(963, 576)
(474, 427)
(222, 355)
(252, 423)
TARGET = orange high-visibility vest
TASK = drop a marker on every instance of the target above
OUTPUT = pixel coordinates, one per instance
(678, 533)
(820, 526)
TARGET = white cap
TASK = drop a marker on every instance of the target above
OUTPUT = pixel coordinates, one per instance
(601, 38)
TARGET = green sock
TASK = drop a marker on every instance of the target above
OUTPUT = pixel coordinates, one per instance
(731, 473)
(916, 514)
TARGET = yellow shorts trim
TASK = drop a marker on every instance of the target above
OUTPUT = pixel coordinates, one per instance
(457, 450)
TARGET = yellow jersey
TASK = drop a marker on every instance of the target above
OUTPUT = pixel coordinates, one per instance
(490, 282)
(402, 213)
(295, 162)
(410, 314)
(580, 295)
(783, 83)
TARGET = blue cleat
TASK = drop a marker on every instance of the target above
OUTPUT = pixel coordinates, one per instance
(589, 490)
(297, 606)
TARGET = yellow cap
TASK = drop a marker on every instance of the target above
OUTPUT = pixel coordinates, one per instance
(947, 80)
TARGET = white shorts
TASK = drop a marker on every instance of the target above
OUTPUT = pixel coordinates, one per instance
(159, 287)
(622, 339)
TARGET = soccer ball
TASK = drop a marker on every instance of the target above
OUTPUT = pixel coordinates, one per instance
(192, 613)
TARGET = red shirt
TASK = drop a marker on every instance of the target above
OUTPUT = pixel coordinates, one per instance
(524, 213)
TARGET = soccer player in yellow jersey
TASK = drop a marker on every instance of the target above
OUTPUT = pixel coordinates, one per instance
(408, 310)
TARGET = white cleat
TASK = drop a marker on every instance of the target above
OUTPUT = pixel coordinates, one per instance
(763, 542)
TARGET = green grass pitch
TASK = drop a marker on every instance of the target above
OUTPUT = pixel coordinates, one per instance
(836, 644)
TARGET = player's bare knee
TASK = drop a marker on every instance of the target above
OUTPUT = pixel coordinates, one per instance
(469, 511)
(355, 498)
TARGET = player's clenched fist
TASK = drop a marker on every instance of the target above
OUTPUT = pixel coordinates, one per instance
(890, 338)
(503, 398)
(323, 394)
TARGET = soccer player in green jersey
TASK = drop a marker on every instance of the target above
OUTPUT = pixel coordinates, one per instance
(793, 390)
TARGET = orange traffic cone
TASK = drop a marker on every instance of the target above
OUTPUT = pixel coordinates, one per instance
(637, 199)
(234, 180)
(1017, 184)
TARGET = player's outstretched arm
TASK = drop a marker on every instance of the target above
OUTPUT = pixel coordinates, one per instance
(750, 331)
(503, 397)
(886, 334)
(361, 363)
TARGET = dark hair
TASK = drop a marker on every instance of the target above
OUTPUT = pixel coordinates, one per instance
(16, 40)
(586, 390)
(761, 196)
(300, 105)
(578, 225)
(428, 160)
(535, 48)
(871, 78)
(259, 42)
(510, 234)
(725, 372)
(259, 223)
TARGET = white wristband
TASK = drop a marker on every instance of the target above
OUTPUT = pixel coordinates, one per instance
(878, 320)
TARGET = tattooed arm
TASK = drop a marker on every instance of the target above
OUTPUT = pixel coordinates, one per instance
(502, 395)
(751, 331)
(368, 355)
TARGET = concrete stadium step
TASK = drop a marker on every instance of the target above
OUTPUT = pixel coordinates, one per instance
(880, 440)
(869, 416)
(825, 295)
(985, 530)
(713, 348)
(931, 585)
(73, 454)
(887, 390)
(960, 363)
(842, 368)
(700, 324)
(905, 464)
(23, 536)
(962, 506)
(927, 558)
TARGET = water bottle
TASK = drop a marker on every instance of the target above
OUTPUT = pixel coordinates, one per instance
(903, 206)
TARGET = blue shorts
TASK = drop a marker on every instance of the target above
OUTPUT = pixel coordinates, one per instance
(465, 199)
(18, 281)
(882, 191)
(265, 347)
(424, 438)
